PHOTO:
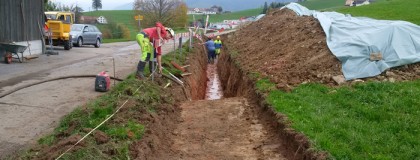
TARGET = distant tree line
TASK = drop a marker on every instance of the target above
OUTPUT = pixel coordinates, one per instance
(171, 13)
(218, 8)
(272, 5)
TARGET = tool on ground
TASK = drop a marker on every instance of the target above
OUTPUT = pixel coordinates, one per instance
(167, 85)
(102, 82)
(174, 77)
(113, 66)
(185, 74)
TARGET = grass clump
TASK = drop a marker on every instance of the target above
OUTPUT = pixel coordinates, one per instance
(374, 120)
(265, 85)
(131, 130)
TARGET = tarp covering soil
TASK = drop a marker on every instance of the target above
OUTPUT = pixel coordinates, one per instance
(291, 50)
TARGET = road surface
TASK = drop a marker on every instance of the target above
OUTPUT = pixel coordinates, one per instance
(30, 113)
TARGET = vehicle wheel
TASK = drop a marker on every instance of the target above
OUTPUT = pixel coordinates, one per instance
(8, 58)
(79, 42)
(98, 43)
(67, 45)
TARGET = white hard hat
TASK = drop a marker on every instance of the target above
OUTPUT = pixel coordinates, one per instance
(171, 31)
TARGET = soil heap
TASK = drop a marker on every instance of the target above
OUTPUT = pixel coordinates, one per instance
(291, 50)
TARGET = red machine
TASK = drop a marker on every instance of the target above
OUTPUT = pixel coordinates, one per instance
(102, 82)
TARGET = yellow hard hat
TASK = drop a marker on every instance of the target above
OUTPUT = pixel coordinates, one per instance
(218, 37)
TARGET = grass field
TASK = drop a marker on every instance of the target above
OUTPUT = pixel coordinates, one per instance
(375, 120)
(407, 10)
(125, 17)
(322, 4)
(228, 16)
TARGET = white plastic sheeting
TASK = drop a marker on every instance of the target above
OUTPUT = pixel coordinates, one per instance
(353, 39)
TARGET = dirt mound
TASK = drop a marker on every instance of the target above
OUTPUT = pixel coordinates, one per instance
(291, 50)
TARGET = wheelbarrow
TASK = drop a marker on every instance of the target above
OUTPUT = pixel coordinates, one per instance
(12, 49)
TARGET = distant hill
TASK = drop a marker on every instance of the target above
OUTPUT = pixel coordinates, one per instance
(232, 5)
(323, 4)
(128, 6)
(227, 5)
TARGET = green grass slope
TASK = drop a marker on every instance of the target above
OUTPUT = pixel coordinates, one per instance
(375, 120)
(322, 4)
(228, 16)
(407, 10)
(125, 17)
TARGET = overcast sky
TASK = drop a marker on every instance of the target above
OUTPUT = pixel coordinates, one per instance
(87, 4)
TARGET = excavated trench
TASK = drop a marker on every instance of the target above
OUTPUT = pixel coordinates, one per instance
(226, 119)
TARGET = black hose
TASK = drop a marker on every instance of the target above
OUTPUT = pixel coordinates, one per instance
(53, 79)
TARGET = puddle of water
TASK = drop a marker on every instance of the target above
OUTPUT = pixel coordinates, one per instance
(214, 88)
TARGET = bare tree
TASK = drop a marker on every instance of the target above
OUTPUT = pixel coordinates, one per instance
(157, 10)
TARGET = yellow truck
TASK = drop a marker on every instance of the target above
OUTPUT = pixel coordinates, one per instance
(58, 29)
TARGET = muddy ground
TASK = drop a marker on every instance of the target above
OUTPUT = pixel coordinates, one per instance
(287, 49)
(227, 128)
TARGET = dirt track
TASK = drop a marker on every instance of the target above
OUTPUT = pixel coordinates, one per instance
(227, 128)
(223, 129)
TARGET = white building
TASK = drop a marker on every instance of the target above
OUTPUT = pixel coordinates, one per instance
(102, 20)
(201, 11)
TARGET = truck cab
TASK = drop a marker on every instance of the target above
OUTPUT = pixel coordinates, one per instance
(59, 27)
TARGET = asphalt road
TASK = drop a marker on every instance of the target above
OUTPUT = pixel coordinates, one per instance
(30, 113)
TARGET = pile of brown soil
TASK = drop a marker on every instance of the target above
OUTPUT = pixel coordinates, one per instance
(291, 50)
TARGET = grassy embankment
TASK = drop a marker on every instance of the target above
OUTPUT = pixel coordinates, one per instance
(375, 120)
(372, 120)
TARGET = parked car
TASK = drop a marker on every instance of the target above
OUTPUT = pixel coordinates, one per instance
(86, 34)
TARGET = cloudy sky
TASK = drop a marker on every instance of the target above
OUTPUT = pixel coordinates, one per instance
(87, 4)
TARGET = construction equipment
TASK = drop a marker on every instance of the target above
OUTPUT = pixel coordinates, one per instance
(102, 82)
(59, 25)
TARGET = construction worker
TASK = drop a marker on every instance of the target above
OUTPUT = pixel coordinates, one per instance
(211, 50)
(151, 41)
(218, 45)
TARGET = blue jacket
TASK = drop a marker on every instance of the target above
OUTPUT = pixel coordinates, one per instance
(210, 45)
